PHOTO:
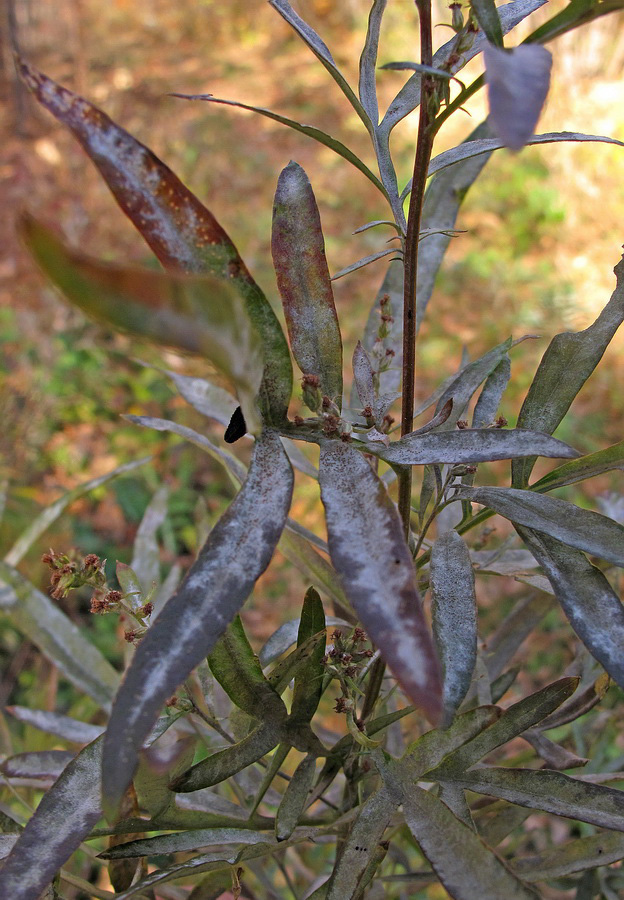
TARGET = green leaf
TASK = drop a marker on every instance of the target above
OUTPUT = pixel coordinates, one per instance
(303, 280)
(270, 774)
(193, 839)
(308, 687)
(309, 130)
(158, 766)
(368, 61)
(237, 669)
(468, 869)
(236, 553)
(295, 797)
(573, 856)
(51, 513)
(183, 234)
(513, 722)
(471, 445)
(55, 723)
(199, 314)
(592, 607)
(570, 524)
(430, 750)
(369, 552)
(486, 15)
(321, 51)
(225, 763)
(58, 638)
(549, 791)
(454, 611)
(64, 817)
(576, 354)
(580, 469)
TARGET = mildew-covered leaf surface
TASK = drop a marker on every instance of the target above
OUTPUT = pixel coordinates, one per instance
(183, 234)
(518, 82)
(236, 553)
(303, 280)
(369, 552)
(64, 817)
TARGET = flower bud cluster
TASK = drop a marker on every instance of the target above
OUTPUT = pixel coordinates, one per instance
(344, 662)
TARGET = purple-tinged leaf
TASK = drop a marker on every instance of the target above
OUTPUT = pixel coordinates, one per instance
(392, 288)
(197, 314)
(439, 419)
(549, 791)
(236, 553)
(369, 552)
(570, 524)
(468, 868)
(470, 446)
(294, 800)
(58, 638)
(365, 261)
(44, 765)
(487, 16)
(472, 149)
(454, 610)
(183, 234)
(408, 97)
(580, 469)
(321, 51)
(578, 705)
(576, 354)
(364, 376)
(51, 513)
(62, 820)
(303, 280)
(55, 723)
(309, 130)
(518, 81)
(368, 61)
(554, 755)
(592, 607)
(193, 839)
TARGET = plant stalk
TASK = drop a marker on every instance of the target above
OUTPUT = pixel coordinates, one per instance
(424, 144)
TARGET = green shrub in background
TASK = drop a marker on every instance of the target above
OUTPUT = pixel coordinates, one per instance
(224, 780)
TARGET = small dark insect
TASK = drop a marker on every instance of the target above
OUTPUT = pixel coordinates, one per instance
(237, 427)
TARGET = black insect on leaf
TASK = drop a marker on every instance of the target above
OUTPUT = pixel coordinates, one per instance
(237, 427)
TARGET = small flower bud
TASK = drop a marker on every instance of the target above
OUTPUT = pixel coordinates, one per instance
(457, 17)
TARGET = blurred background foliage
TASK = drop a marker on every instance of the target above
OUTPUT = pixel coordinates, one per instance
(543, 232)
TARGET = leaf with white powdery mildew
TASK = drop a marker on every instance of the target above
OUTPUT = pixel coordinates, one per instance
(304, 283)
(62, 820)
(183, 234)
(454, 610)
(236, 553)
(369, 552)
(518, 82)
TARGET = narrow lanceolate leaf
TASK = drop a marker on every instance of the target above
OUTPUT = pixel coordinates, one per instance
(58, 638)
(193, 839)
(294, 800)
(51, 513)
(431, 748)
(286, 635)
(513, 722)
(550, 791)
(487, 17)
(55, 723)
(198, 314)
(580, 469)
(573, 856)
(468, 380)
(309, 681)
(180, 230)
(591, 605)
(39, 765)
(467, 868)
(570, 524)
(365, 261)
(304, 283)
(145, 558)
(369, 552)
(207, 398)
(490, 397)
(454, 609)
(518, 82)
(62, 820)
(363, 375)
(315, 567)
(576, 354)
(471, 445)
(237, 669)
(470, 149)
(368, 61)
(236, 553)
